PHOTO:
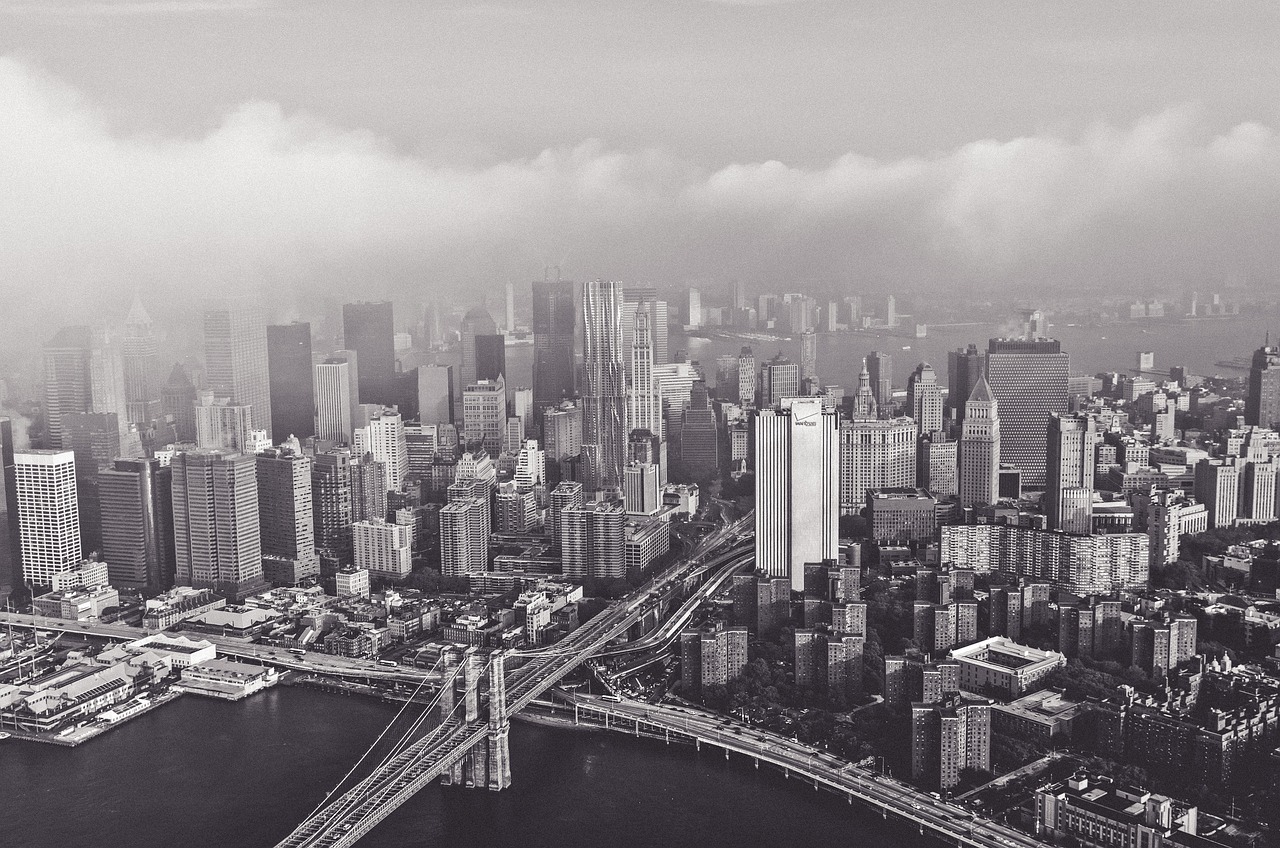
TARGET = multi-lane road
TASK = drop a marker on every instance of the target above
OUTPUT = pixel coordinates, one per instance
(921, 809)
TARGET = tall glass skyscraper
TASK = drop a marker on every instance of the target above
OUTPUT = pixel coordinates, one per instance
(136, 502)
(68, 379)
(289, 370)
(1029, 380)
(139, 354)
(369, 330)
(10, 549)
(235, 358)
(554, 329)
(604, 397)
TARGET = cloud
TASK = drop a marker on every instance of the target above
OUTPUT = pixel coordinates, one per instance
(117, 8)
(290, 206)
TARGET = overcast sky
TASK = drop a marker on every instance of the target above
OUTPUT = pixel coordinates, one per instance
(301, 147)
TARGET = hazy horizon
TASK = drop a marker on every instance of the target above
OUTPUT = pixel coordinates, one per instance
(402, 150)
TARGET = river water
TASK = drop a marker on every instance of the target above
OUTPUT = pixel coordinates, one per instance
(209, 774)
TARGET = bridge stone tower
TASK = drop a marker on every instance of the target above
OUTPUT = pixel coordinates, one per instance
(488, 764)
(499, 725)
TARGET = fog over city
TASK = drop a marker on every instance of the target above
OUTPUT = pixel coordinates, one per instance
(280, 173)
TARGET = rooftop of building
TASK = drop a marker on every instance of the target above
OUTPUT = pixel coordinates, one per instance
(1001, 652)
(1045, 705)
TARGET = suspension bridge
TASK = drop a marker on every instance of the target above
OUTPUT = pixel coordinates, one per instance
(467, 745)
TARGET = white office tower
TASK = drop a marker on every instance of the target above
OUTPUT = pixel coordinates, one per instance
(383, 436)
(484, 414)
(604, 438)
(925, 397)
(875, 453)
(797, 487)
(531, 467)
(644, 400)
(464, 537)
(1068, 497)
(978, 457)
(386, 550)
(220, 425)
(335, 397)
(642, 491)
(215, 521)
(695, 309)
(48, 514)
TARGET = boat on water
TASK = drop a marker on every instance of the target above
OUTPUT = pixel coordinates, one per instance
(4, 736)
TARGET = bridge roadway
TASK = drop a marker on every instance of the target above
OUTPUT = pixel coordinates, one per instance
(340, 822)
(948, 821)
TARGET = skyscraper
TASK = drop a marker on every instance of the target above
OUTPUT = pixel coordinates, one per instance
(475, 324)
(285, 511)
(964, 367)
(385, 550)
(808, 355)
(491, 357)
(700, 436)
(864, 398)
(644, 400)
(1262, 404)
(797, 487)
(435, 394)
(68, 382)
(290, 375)
(383, 437)
(48, 514)
(592, 541)
(604, 392)
(141, 378)
(1029, 379)
(978, 457)
(331, 503)
(484, 414)
(875, 453)
(94, 439)
(779, 378)
(369, 330)
(643, 299)
(10, 546)
(215, 522)
(746, 378)
(464, 536)
(336, 392)
(136, 502)
(924, 395)
(178, 399)
(554, 330)
(235, 354)
(880, 367)
(1068, 497)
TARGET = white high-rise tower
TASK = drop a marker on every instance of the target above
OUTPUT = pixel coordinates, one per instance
(797, 487)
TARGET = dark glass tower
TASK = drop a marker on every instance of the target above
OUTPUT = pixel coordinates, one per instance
(1262, 404)
(10, 550)
(1029, 380)
(289, 369)
(554, 329)
(964, 367)
(491, 357)
(369, 330)
(136, 499)
(68, 384)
